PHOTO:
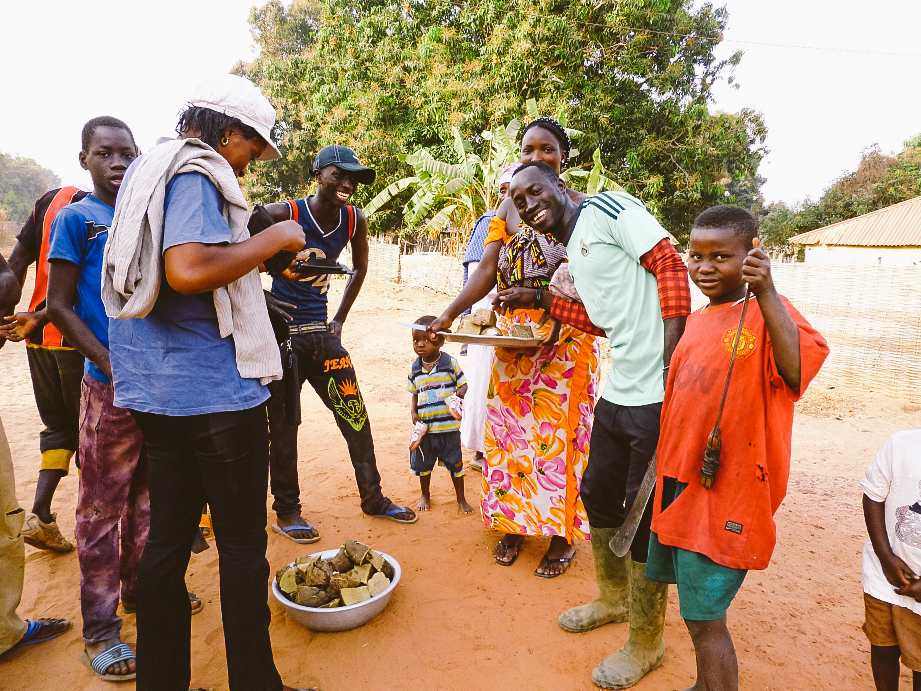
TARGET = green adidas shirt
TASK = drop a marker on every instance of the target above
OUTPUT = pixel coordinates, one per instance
(612, 232)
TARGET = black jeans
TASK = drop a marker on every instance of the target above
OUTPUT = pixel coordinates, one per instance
(221, 459)
(322, 361)
(56, 377)
(623, 441)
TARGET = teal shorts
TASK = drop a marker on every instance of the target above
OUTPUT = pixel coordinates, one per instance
(705, 588)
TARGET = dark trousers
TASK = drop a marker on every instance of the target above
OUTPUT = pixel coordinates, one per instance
(57, 374)
(221, 459)
(624, 438)
(322, 361)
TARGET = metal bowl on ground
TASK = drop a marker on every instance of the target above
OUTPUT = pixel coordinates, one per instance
(339, 618)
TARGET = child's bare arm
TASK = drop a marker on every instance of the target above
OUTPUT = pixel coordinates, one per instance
(63, 277)
(895, 570)
(783, 331)
(461, 391)
(414, 408)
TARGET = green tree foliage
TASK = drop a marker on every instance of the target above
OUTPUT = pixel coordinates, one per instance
(456, 193)
(387, 78)
(22, 181)
(746, 192)
(879, 181)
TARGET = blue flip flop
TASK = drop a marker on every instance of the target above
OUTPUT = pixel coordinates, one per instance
(392, 513)
(301, 541)
(30, 637)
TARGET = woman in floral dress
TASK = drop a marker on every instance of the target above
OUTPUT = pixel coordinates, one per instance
(540, 400)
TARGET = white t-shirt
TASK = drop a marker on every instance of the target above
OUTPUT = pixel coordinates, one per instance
(611, 234)
(894, 477)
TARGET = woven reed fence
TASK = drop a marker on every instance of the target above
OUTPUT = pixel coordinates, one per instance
(433, 271)
(870, 315)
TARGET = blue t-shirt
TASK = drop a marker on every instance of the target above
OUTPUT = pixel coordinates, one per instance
(174, 361)
(78, 235)
(309, 296)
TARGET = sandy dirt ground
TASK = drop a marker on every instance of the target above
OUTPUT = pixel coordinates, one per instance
(457, 619)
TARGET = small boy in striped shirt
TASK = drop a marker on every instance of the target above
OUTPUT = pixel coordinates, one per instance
(435, 377)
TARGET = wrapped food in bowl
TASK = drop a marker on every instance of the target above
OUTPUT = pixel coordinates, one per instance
(358, 584)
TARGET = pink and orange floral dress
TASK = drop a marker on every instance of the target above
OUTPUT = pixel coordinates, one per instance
(539, 413)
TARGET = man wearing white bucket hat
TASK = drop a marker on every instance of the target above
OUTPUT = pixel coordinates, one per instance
(191, 356)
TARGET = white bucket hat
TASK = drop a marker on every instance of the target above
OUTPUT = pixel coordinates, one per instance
(238, 97)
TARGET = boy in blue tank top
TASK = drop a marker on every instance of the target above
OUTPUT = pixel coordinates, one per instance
(329, 224)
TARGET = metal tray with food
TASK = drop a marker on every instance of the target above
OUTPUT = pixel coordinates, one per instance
(491, 340)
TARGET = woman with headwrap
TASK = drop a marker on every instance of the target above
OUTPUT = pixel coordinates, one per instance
(540, 400)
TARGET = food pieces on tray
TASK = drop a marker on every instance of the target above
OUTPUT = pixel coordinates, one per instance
(357, 551)
(467, 327)
(483, 323)
(521, 331)
(287, 581)
(355, 574)
(341, 562)
(308, 596)
(316, 574)
(352, 596)
(378, 584)
(484, 317)
(362, 573)
(475, 324)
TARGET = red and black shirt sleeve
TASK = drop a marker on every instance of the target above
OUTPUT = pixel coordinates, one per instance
(574, 314)
(664, 262)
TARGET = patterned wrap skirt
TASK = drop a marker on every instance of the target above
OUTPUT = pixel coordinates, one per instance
(539, 410)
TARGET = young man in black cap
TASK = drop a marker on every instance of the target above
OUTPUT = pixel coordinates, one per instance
(329, 223)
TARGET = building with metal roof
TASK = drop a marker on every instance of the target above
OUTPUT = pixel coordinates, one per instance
(888, 237)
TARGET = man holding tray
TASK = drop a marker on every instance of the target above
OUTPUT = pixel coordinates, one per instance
(329, 223)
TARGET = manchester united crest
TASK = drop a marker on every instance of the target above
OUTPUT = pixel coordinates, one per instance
(747, 342)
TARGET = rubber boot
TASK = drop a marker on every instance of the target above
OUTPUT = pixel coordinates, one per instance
(613, 575)
(644, 649)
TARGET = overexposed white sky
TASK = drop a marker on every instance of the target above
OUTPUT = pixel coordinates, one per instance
(822, 107)
(64, 62)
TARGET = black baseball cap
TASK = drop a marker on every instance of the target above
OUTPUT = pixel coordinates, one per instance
(343, 157)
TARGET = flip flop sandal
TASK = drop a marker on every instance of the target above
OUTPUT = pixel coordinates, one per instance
(561, 560)
(193, 598)
(391, 515)
(507, 548)
(30, 637)
(302, 540)
(117, 653)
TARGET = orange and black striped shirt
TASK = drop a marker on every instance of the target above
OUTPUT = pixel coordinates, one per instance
(35, 236)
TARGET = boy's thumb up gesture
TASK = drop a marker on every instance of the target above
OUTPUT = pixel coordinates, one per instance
(756, 270)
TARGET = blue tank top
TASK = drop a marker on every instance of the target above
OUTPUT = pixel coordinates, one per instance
(309, 295)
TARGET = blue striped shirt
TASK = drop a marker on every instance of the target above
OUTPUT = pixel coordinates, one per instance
(433, 388)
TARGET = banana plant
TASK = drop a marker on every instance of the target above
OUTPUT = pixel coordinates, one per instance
(595, 179)
(457, 192)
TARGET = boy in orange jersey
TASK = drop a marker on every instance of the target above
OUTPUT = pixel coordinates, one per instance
(706, 540)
